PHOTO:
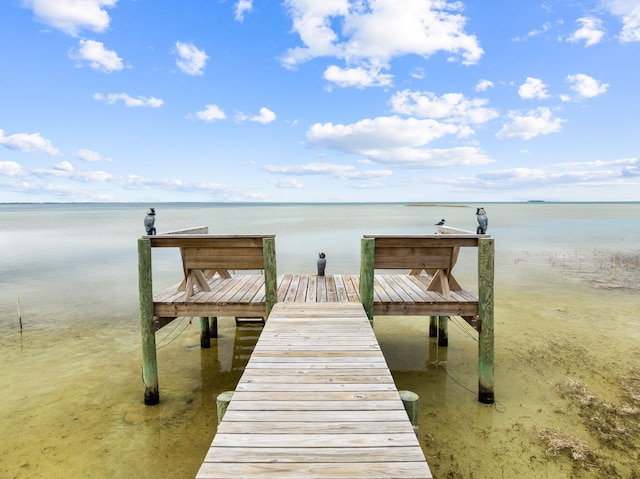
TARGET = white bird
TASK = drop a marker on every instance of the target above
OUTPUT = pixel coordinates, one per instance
(483, 221)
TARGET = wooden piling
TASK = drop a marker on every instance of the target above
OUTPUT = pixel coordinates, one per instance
(270, 274)
(205, 333)
(222, 403)
(367, 266)
(443, 331)
(485, 313)
(411, 402)
(213, 326)
(149, 359)
(433, 326)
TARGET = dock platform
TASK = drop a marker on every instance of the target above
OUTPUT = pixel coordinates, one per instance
(316, 400)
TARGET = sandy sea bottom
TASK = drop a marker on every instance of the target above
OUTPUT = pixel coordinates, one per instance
(72, 398)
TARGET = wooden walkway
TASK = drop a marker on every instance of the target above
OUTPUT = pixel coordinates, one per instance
(316, 400)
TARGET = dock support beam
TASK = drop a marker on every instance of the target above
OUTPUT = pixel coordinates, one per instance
(367, 267)
(270, 274)
(433, 326)
(485, 313)
(149, 359)
(443, 331)
(205, 333)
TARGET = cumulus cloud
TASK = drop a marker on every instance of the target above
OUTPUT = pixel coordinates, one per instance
(533, 88)
(242, 7)
(359, 77)
(11, 168)
(629, 13)
(591, 31)
(97, 56)
(397, 141)
(191, 60)
(90, 156)
(72, 16)
(484, 85)
(211, 112)
(28, 142)
(367, 35)
(342, 172)
(536, 122)
(265, 116)
(454, 107)
(128, 100)
(585, 86)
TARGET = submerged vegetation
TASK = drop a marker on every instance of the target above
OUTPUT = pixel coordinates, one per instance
(611, 427)
(603, 269)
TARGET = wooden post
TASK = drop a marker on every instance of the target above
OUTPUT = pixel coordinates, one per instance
(149, 359)
(433, 326)
(367, 266)
(411, 402)
(222, 403)
(205, 333)
(270, 274)
(213, 326)
(485, 313)
(443, 331)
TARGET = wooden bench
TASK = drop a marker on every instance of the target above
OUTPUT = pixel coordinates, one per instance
(207, 290)
(430, 286)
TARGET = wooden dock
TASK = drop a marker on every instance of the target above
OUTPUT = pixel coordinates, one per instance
(316, 400)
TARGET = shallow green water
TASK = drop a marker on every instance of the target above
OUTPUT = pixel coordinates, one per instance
(71, 385)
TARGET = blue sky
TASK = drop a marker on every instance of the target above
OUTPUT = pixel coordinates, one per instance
(319, 100)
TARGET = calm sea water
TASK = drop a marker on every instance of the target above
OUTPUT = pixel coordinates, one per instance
(72, 398)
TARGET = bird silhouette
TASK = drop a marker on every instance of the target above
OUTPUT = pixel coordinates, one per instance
(483, 221)
(440, 223)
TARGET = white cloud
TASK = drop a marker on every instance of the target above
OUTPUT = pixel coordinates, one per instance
(585, 86)
(591, 31)
(242, 7)
(484, 85)
(28, 142)
(11, 168)
(449, 107)
(64, 166)
(359, 77)
(128, 100)
(97, 56)
(343, 172)
(210, 113)
(287, 183)
(90, 156)
(265, 116)
(537, 122)
(372, 33)
(71, 16)
(191, 60)
(533, 88)
(397, 141)
(629, 13)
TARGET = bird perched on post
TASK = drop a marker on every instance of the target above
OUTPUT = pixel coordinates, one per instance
(483, 221)
(440, 223)
(150, 221)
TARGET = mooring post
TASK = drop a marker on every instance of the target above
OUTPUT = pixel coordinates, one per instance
(270, 273)
(485, 313)
(433, 326)
(443, 331)
(213, 326)
(205, 333)
(411, 402)
(367, 266)
(222, 403)
(149, 359)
